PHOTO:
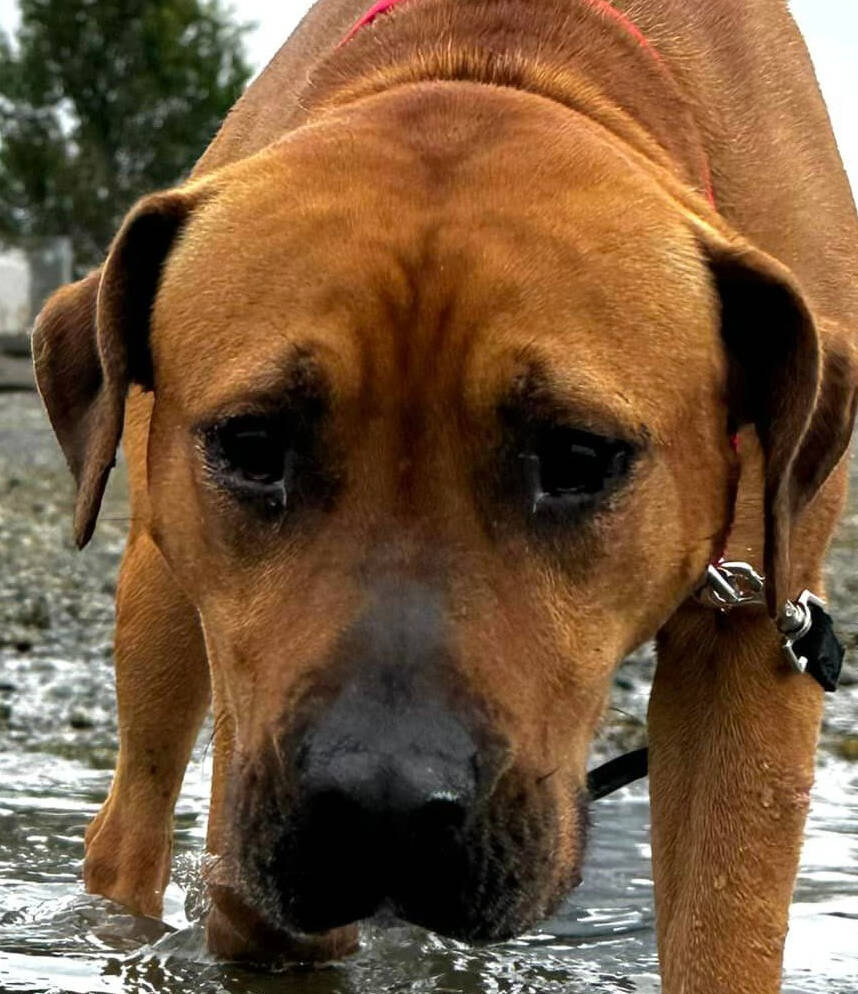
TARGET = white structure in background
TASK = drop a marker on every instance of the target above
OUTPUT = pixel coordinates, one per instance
(50, 262)
(15, 302)
(28, 278)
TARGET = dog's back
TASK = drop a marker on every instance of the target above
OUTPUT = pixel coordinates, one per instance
(741, 66)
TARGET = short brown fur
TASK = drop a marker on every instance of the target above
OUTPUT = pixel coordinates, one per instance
(460, 196)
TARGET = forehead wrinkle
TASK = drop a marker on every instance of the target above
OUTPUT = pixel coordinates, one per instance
(413, 343)
(260, 383)
(422, 330)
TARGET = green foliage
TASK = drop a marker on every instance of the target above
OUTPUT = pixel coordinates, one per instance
(102, 101)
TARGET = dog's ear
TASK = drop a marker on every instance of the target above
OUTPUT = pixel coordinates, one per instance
(799, 396)
(90, 342)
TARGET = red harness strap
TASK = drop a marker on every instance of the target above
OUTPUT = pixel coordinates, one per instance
(379, 7)
(603, 7)
(608, 10)
(611, 12)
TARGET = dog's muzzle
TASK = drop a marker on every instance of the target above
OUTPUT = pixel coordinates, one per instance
(390, 789)
(383, 807)
(400, 811)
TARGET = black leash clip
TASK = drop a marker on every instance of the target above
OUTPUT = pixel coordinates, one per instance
(809, 642)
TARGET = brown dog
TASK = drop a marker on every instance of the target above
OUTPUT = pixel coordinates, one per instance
(429, 376)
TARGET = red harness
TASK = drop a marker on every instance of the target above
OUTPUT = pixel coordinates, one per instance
(379, 7)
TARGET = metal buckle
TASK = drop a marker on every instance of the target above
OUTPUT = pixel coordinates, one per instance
(737, 584)
(729, 585)
(794, 622)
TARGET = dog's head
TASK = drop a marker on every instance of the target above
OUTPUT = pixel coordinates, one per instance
(443, 389)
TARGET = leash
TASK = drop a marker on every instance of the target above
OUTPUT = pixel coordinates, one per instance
(808, 641)
(616, 773)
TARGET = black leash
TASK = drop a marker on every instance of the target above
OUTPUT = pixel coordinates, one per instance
(616, 773)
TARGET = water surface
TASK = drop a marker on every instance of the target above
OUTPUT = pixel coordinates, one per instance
(57, 745)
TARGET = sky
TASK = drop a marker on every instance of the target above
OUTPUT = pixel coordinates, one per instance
(830, 28)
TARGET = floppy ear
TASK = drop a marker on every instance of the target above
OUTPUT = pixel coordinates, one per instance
(799, 397)
(90, 342)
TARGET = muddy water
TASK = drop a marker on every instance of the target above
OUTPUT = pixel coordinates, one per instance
(57, 741)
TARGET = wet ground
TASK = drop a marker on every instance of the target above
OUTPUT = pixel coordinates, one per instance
(57, 742)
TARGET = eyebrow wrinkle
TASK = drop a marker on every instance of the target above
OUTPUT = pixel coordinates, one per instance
(297, 379)
(536, 395)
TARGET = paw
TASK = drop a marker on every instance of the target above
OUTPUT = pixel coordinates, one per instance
(128, 860)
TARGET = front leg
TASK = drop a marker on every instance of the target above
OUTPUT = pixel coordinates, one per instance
(733, 733)
(162, 689)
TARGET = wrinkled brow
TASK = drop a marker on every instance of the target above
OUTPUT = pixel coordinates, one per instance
(297, 380)
(538, 394)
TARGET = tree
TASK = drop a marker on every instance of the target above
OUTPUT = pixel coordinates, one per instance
(102, 101)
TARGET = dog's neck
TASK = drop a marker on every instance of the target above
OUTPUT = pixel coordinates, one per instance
(565, 50)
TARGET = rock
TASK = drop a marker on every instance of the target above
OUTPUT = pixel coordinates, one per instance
(847, 748)
(35, 612)
(80, 720)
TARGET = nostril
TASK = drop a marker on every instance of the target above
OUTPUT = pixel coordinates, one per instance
(331, 813)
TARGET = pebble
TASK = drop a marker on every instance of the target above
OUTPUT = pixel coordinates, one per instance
(848, 748)
(80, 720)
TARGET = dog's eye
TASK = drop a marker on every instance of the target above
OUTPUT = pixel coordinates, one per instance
(255, 451)
(566, 467)
(254, 458)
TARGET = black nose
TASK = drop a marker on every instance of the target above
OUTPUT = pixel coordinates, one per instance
(381, 792)
(387, 773)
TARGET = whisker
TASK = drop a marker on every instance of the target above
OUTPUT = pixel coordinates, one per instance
(545, 776)
(627, 714)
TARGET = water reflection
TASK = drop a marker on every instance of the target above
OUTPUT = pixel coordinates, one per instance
(54, 937)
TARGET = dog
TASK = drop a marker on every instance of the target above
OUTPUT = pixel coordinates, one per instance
(477, 334)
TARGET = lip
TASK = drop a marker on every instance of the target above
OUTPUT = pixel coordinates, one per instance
(235, 931)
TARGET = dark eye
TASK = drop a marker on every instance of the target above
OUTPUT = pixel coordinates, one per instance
(256, 452)
(254, 458)
(565, 467)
